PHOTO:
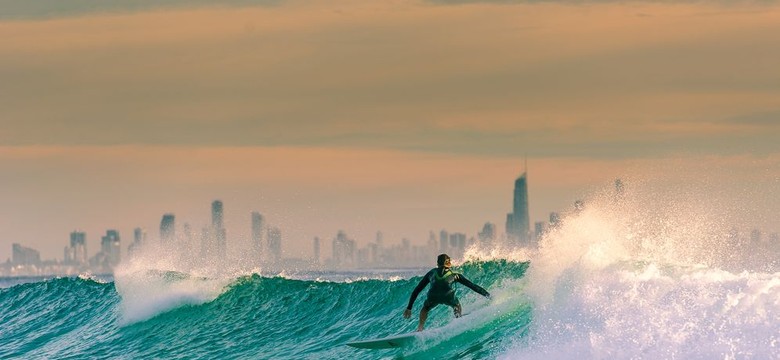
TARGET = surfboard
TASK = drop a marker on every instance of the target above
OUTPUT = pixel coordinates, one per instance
(397, 341)
(389, 342)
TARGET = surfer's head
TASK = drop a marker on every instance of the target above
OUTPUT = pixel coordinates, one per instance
(443, 261)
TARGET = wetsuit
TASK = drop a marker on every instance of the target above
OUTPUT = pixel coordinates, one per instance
(442, 289)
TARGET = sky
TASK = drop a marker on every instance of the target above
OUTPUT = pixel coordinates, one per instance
(400, 116)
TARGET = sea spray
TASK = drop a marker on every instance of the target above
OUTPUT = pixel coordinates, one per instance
(651, 273)
(155, 281)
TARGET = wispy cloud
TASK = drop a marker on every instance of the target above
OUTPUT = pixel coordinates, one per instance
(49, 9)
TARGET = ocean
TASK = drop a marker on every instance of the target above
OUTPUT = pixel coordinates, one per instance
(610, 281)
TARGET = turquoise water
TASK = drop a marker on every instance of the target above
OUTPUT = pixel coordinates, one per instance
(166, 314)
(639, 277)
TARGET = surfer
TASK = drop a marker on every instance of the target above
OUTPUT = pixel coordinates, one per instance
(442, 291)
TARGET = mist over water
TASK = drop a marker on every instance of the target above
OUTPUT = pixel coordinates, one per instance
(653, 273)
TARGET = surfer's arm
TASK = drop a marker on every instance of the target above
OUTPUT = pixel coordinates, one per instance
(423, 283)
(478, 289)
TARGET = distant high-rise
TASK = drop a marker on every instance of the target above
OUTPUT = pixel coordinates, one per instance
(139, 241)
(218, 228)
(258, 227)
(380, 239)
(444, 239)
(488, 234)
(343, 250)
(619, 190)
(168, 230)
(217, 215)
(457, 245)
(431, 248)
(76, 253)
(555, 219)
(275, 244)
(316, 250)
(540, 228)
(110, 247)
(139, 236)
(518, 221)
(186, 246)
(25, 256)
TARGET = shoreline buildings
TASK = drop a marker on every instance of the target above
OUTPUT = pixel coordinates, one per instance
(264, 247)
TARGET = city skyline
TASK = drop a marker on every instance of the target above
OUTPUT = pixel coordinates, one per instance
(264, 249)
(391, 116)
(265, 243)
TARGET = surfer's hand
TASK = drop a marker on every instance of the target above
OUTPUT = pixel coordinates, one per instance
(407, 313)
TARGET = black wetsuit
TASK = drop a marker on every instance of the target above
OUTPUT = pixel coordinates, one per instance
(442, 289)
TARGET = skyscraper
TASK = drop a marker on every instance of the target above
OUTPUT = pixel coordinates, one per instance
(275, 245)
(25, 256)
(110, 247)
(316, 250)
(77, 252)
(444, 239)
(258, 227)
(139, 240)
(343, 250)
(488, 234)
(168, 230)
(218, 228)
(518, 221)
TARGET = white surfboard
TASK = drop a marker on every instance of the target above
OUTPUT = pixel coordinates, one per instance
(389, 342)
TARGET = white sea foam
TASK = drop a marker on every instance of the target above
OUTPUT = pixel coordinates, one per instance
(154, 282)
(652, 277)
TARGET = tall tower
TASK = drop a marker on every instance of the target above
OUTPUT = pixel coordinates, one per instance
(139, 241)
(78, 247)
(168, 230)
(110, 247)
(258, 226)
(275, 244)
(316, 250)
(217, 215)
(518, 221)
(218, 229)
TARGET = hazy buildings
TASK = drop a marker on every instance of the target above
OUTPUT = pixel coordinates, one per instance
(24, 256)
(343, 250)
(518, 221)
(457, 246)
(488, 234)
(110, 251)
(186, 248)
(316, 250)
(258, 229)
(218, 228)
(444, 239)
(275, 245)
(139, 240)
(76, 253)
(214, 237)
(168, 231)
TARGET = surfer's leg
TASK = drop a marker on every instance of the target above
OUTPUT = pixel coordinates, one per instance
(423, 317)
(453, 302)
(427, 306)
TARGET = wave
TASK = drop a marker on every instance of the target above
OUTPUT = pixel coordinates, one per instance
(169, 314)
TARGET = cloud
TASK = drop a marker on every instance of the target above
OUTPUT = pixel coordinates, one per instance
(542, 79)
(49, 9)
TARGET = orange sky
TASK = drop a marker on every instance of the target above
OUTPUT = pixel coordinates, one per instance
(400, 116)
